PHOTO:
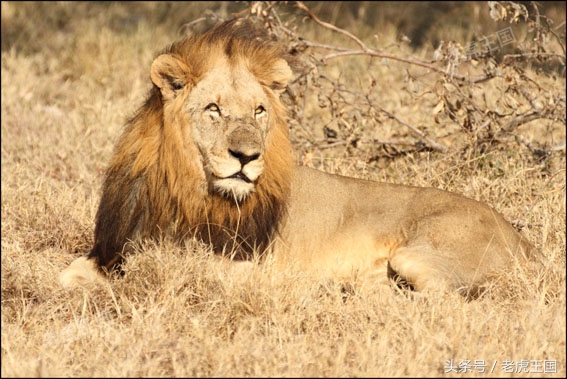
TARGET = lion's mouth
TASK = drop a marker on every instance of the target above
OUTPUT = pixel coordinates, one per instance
(237, 186)
(241, 176)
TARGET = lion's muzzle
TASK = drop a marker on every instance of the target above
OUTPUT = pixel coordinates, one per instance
(242, 165)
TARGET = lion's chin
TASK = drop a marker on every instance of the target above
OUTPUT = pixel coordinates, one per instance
(234, 188)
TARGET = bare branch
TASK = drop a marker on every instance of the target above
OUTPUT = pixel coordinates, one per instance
(332, 27)
(520, 120)
(414, 62)
(328, 143)
(429, 141)
(373, 53)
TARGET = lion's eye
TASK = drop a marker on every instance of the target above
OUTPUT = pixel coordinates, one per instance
(259, 112)
(213, 108)
(177, 85)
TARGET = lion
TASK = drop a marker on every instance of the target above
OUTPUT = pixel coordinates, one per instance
(208, 157)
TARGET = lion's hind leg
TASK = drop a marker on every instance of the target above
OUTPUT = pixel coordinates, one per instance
(80, 272)
(422, 268)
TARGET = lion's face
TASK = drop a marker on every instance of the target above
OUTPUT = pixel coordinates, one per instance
(229, 116)
(226, 116)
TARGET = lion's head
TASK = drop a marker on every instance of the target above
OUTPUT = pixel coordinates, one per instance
(222, 89)
(208, 154)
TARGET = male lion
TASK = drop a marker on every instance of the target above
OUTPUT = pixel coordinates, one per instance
(208, 156)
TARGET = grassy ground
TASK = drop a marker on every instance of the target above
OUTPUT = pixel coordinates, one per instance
(72, 73)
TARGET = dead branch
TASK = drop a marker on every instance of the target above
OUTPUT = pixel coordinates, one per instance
(430, 142)
(365, 50)
(332, 27)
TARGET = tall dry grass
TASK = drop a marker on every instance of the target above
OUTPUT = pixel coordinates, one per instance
(72, 73)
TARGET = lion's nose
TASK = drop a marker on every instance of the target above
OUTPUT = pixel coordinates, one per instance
(244, 158)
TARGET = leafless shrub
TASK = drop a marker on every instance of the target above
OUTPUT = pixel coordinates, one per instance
(480, 93)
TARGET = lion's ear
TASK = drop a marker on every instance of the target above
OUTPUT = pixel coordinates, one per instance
(281, 75)
(169, 74)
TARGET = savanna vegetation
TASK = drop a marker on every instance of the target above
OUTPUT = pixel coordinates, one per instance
(467, 97)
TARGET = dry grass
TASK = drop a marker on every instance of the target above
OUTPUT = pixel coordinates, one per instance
(71, 75)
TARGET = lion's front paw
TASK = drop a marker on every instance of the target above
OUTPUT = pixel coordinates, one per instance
(80, 272)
